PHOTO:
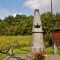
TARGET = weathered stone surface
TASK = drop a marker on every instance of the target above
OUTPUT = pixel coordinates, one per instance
(37, 33)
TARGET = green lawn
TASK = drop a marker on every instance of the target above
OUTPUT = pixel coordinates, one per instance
(23, 50)
(50, 50)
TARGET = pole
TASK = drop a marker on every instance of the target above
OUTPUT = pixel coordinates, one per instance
(53, 43)
(52, 24)
(51, 7)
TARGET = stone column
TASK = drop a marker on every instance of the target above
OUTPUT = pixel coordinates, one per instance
(37, 33)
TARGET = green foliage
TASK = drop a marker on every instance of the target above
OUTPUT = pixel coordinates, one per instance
(48, 40)
(49, 22)
(19, 25)
(22, 24)
(49, 50)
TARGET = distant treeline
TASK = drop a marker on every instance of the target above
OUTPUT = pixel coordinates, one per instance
(22, 24)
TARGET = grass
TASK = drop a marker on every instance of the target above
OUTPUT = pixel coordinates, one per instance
(23, 50)
(19, 42)
(49, 50)
(22, 45)
(2, 56)
(58, 52)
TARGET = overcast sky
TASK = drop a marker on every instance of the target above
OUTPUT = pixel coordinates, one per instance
(13, 7)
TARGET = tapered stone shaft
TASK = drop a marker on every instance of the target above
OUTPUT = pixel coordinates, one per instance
(37, 33)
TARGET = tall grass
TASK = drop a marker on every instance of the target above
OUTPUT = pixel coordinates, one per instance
(19, 42)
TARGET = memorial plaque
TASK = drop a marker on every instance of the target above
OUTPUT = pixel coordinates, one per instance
(57, 37)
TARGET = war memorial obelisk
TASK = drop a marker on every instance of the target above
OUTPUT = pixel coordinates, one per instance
(37, 33)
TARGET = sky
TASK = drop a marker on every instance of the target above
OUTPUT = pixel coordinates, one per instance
(13, 7)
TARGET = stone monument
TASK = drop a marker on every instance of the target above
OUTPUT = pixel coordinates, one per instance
(37, 33)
